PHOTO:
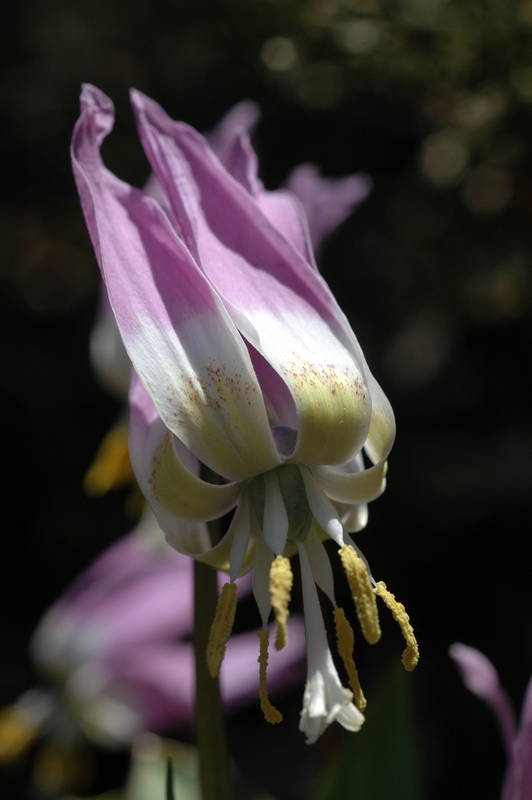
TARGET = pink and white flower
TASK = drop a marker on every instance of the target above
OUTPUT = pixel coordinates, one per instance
(244, 365)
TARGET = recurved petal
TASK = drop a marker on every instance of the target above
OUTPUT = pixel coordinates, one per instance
(286, 213)
(282, 207)
(353, 516)
(159, 463)
(281, 305)
(240, 119)
(230, 140)
(240, 160)
(354, 487)
(326, 201)
(178, 335)
(382, 429)
(359, 485)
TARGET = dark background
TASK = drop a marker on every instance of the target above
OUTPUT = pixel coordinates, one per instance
(433, 100)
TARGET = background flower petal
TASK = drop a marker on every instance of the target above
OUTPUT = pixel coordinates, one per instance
(327, 202)
(480, 677)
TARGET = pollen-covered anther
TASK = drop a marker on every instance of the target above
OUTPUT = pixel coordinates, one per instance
(221, 628)
(345, 640)
(271, 714)
(281, 580)
(362, 591)
(411, 653)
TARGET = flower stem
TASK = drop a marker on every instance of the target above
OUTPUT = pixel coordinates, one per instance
(210, 728)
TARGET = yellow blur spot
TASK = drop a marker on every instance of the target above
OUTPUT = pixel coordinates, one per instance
(111, 468)
(17, 733)
(345, 640)
(271, 714)
(362, 591)
(281, 580)
(221, 628)
(411, 654)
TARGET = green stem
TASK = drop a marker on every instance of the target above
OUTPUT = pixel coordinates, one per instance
(210, 728)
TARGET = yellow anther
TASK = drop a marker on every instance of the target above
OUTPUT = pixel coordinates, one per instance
(281, 580)
(221, 628)
(111, 468)
(17, 733)
(411, 654)
(362, 592)
(345, 640)
(271, 714)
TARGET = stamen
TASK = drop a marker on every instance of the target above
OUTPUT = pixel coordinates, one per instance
(17, 733)
(271, 714)
(411, 654)
(345, 640)
(362, 591)
(281, 580)
(111, 468)
(221, 628)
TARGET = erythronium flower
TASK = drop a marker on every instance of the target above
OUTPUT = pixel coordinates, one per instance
(250, 391)
(326, 203)
(116, 652)
(480, 677)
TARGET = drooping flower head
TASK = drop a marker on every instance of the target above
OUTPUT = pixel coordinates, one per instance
(250, 392)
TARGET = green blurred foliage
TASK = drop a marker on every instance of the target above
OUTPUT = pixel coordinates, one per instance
(384, 763)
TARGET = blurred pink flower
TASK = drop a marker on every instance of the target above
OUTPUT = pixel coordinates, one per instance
(480, 677)
(116, 647)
